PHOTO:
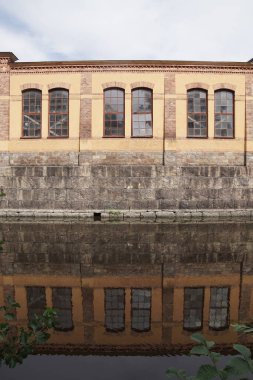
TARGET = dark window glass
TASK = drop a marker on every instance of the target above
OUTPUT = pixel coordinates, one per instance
(197, 113)
(114, 112)
(62, 302)
(193, 308)
(224, 113)
(31, 107)
(36, 301)
(142, 124)
(115, 309)
(219, 308)
(58, 113)
(141, 309)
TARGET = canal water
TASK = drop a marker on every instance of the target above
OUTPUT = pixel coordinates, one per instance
(128, 295)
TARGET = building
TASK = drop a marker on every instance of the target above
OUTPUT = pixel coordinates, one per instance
(127, 113)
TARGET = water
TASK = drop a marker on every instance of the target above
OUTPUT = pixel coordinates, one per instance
(129, 296)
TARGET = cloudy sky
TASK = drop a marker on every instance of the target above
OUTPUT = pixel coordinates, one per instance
(133, 29)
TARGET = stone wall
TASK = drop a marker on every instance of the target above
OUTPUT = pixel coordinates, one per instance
(124, 187)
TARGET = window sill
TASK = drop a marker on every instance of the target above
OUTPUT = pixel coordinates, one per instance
(57, 137)
(141, 137)
(30, 138)
(113, 137)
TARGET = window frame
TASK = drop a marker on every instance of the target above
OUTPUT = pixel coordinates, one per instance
(124, 115)
(34, 113)
(150, 310)
(187, 113)
(233, 114)
(152, 118)
(61, 113)
(30, 309)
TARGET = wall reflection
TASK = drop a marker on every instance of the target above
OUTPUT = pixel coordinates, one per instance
(130, 287)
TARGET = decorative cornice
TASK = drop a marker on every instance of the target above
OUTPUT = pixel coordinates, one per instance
(35, 69)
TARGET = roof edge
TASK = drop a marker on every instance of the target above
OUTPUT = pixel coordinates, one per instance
(12, 58)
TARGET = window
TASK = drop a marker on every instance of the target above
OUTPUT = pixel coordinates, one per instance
(58, 113)
(31, 113)
(115, 309)
(193, 308)
(142, 112)
(36, 301)
(224, 113)
(219, 308)
(62, 302)
(141, 309)
(197, 113)
(114, 112)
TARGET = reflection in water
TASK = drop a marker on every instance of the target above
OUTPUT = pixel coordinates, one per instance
(130, 288)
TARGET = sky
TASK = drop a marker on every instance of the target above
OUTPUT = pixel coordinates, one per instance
(55, 30)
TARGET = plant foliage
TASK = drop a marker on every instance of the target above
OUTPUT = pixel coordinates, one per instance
(16, 343)
(237, 368)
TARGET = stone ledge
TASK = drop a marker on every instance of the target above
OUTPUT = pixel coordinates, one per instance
(158, 216)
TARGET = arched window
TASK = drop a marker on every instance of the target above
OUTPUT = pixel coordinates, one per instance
(142, 123)
(224, 113)
(31, 110)
(58, 113)
(114, 112)
(196, 113)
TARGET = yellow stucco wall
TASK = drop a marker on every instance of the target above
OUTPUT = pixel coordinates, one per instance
(97, 143)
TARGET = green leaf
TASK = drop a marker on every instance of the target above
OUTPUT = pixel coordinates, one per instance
(215, 356)
(9, 316)
(198, 338)
(179, 373)
(237, 366)
(210, 344)
(206, 372)
(199, 350)
(243, 350)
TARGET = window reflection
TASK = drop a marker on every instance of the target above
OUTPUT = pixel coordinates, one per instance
(219, 308)
(115, 309)
(141, 309)
(193, 308)
(62, 302)
(36, 300)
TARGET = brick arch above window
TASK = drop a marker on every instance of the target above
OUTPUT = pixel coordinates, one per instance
(109, 85)
(224, 86)
(142, 85)
(199, 85)
(31, 86)
(61, 85)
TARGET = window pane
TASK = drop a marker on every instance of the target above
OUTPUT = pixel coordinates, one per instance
(31, 106)
(142, 112)
(224, 112)
(58, 113)
(114, 110)
(197, 111)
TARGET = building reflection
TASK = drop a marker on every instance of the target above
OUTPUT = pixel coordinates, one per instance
(130, 288)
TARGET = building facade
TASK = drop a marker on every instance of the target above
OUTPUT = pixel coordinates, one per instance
(126, 134)
(152, 112)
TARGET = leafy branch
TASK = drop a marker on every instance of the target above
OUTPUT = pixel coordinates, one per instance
(238, 366)
(16, 343)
